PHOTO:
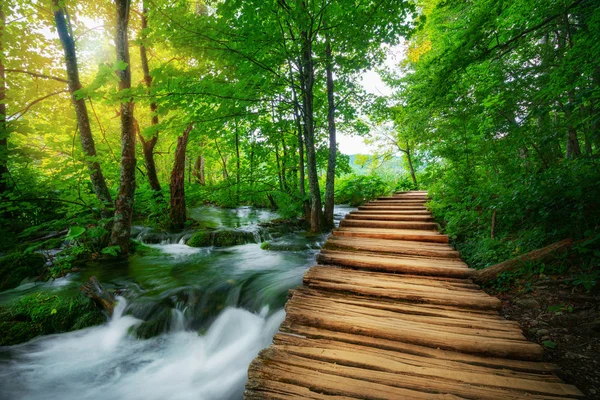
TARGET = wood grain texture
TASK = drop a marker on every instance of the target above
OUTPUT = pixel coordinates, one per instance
(390, 312)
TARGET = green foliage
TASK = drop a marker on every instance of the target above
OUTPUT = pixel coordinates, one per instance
(358, 189)
(44, 314)
(17, 266)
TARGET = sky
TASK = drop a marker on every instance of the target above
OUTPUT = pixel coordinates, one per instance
(372, 83)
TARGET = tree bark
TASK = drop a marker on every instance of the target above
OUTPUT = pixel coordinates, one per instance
(3, 125)
(199, 170)
(148, 145)
(125, 197)
(298, 119)
(178, 212)
(330, 180)
(410, 165)
(83, 122)
(307, 77)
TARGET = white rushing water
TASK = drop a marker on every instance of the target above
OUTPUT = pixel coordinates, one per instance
(104, 362)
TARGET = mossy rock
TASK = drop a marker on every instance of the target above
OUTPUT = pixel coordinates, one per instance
(283, 246)
(45, 314)
(160, 323)
(17, 266)
(221, 238)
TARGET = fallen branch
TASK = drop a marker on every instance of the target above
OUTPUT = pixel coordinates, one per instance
(101, 297)
(547, 253)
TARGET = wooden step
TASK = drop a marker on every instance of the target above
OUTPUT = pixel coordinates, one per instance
(406, 288)
(387, 246)
(404, 265)
(366, 216)
(400, 234)
(391, 212)
(357, 223)
(380, 206)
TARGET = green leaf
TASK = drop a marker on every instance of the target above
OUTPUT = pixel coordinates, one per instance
(75, 231)
(111, 250)
(549, 344)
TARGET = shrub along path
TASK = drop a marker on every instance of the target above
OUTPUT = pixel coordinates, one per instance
(390, 313)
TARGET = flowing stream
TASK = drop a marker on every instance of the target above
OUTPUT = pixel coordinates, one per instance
(207, 312)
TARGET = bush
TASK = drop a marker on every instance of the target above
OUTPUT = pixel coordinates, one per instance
(357, 189)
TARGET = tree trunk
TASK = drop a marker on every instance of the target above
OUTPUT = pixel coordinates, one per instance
(178, 212)
(83, 122)
(307, 76)
(330, 180)
(541, 255)
(199, 170)
(94, 290)
(299, 129)
(148, 146)
(237, 161)
(572, 150)
(3, 125)
(410, 165)
(125, 197)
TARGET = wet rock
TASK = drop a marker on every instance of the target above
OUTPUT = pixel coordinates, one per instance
(222, 238)
(527, 303)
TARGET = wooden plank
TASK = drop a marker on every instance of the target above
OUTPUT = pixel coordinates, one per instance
(406, 265)
(386, 246)
(413, 333)
(406, 312)
(415, 372)
(399, 234)
(390, 207)
(389, 224)
(392, 212)
(366, 216)
(299, 330)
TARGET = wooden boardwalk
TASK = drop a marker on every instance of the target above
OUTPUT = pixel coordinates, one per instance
(389, 312)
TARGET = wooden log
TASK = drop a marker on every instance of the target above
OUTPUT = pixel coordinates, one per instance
(541, 255)
(399, 234)
(469, 360)
(407, 265)
(389, 224)
(379, 217)
(414, 372)
(386, 246)
(394, 207)
(94, 290)
(392, 212)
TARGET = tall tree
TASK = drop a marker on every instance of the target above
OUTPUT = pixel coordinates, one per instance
(83, 123)
(149, 145)
(330, 180)
(178, 210)
(125, 198)
(3, 125)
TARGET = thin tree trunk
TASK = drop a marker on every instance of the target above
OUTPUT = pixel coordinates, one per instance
(178, 212)
(148, 145)
(330, 180)
(410, 165)
(125, 198)
(237, 161)
(299, 129)
(3, 126)
(572, 150)
(199, 170)
(307, 76)
(83, 122)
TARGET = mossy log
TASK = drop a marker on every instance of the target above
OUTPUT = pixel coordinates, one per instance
(540, 255)
(94, 290)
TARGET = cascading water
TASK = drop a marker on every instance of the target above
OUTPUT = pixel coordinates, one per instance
(205, 313)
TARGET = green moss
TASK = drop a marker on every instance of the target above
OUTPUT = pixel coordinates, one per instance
(265, 246)
(200, 239)
(44, 314)
(17, 266)
(220, 238)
